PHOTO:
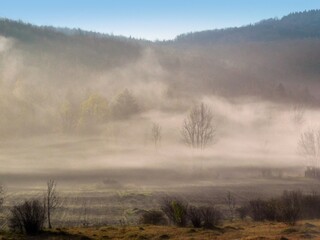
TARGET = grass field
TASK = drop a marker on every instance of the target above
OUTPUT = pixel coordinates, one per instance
(228, 231)
(99, 206)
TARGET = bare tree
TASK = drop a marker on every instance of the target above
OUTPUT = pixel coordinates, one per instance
(2, 192)
(2, 216)
(84, 214)
(298, 112)
(51, 199)
(198, 129)
(309, 146)
(156, 134)
(231, 203)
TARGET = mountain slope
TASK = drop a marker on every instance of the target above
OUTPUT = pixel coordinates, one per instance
(293, 26)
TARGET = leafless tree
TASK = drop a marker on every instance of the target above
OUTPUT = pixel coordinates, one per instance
(2, 216)
(2, 192)
(231, 203)
(198, 129)
(298, 112)
(156, 134)
(51, 199)
(309, 146)
(84, 214)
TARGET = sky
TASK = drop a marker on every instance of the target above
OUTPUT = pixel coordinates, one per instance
(149, 19)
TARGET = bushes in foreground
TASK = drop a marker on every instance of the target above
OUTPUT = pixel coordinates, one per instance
(176, 210)
(287, 208)
(180, 214)
(28, 217)
(153, 217)
(206, 217)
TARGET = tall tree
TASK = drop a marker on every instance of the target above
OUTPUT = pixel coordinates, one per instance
(309, 146)
(156, 134)
(51, 200)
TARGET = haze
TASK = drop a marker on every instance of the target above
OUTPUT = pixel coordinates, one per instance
(105, 113)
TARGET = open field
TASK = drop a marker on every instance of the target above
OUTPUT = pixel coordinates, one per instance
(229, 230)
(107, 203)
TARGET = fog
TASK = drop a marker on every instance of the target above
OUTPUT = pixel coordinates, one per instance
(82, 113)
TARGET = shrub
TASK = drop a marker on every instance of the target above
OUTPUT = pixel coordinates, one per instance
(257, 209)
(291, 207)
(153, 217)
(243, 212)
(28, 217)
(211, 217)
(310, 208)
(287, 208)
(176, 210)
(195, 216)
(272, 211)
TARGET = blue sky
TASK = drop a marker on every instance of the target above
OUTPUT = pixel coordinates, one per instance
(150, 19)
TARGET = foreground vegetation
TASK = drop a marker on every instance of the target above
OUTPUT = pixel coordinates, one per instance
(229, 230)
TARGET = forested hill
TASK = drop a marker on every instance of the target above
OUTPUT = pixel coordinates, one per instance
(87, 49)
(299, 25)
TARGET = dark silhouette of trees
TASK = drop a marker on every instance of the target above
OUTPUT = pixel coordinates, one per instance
(28, 217)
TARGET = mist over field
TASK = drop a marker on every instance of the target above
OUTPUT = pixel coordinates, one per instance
(106, 116)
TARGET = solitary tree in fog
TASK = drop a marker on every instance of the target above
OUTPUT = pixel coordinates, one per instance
(309, 146)
(298, 112)
(51, 199)
(198, 128)
(156, 134)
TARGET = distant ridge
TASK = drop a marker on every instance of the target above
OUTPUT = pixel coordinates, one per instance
(299, 25)
(29, 32)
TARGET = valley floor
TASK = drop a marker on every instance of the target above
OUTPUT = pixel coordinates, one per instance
(235, 230)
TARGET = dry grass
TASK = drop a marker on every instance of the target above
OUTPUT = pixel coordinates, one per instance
(237, 230)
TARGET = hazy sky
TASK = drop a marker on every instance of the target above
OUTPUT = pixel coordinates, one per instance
(150, 19)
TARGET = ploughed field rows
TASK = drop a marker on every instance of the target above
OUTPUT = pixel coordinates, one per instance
(92, 208)
(100, 207)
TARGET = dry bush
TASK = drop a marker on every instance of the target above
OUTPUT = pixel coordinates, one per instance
(257, 209)
(195, 216)
(287, 208)
(28, 217)
(176, 210)
(310, 206)
(211, 217)
(260, 210)
(272, 210)
(291, 206)
(153, 217)
(243, 212)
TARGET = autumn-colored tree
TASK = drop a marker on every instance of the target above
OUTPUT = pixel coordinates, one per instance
(94, 110)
